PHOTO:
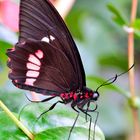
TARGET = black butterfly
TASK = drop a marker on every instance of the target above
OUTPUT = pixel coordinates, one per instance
(46, 59)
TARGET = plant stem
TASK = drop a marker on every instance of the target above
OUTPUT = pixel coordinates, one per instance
(131, 72)
(17, 122)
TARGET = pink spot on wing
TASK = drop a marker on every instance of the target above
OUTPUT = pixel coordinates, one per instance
(30, 81)
(32, 66)
(31, 73)
(9, 59)
(39, 54)
(12, 49)
(34, 60)
(16, 81)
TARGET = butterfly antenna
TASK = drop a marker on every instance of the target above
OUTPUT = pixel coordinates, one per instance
(113, 78)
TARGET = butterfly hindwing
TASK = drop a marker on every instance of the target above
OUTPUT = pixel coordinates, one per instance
(41, 65)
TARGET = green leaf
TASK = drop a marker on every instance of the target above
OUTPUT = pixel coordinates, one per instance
(8, 130)
(112, 60)
(4, 46)
(136, 26)
(9, 97)
(3, 75)
(57, 123)
(61, 133)
(118, 18)
(93, 81)
(53, 125)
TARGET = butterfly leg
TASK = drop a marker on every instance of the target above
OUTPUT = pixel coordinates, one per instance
(85, 112)
(95, 124)
(94, 110)
(44, 100)
(51, 108)
(73, 107)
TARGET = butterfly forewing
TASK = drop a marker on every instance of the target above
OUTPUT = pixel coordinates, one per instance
(46, 56)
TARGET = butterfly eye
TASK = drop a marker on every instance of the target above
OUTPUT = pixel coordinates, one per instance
(95, 96)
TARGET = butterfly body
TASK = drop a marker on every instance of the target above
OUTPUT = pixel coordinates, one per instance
(79, 98)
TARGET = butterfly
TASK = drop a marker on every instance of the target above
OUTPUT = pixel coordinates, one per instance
(46, 60)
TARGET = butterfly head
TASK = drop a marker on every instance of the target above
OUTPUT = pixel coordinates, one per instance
(90, 94)
(87, 101)
(95, 96)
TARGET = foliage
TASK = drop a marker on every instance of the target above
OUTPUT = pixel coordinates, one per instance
(102, 45)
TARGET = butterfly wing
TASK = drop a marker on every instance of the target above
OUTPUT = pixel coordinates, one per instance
(38, 19)
(39, 64)
(43, 31)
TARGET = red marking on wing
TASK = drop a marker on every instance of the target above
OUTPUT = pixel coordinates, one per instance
(34, 60)
(31, 73)
(12, 49)
(32, 66)
(39, 54)
(30, 81)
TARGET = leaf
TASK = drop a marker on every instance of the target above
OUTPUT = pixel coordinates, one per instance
(8, 129)
(112, 60)
(10, 97)
(93, 81)
(118, 18)
(53, 125)
(136, 26)
(61, 133)
(3, 47)
(57, 123)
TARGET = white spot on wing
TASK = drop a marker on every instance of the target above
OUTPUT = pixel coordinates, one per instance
(52, 38)
(30, 81)
(34, 60)
(13, 49)
(39, 54)
(45, 39)
(31, 73)
(32, 66)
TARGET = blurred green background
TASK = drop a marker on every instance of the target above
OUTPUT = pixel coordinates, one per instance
(103, 48)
